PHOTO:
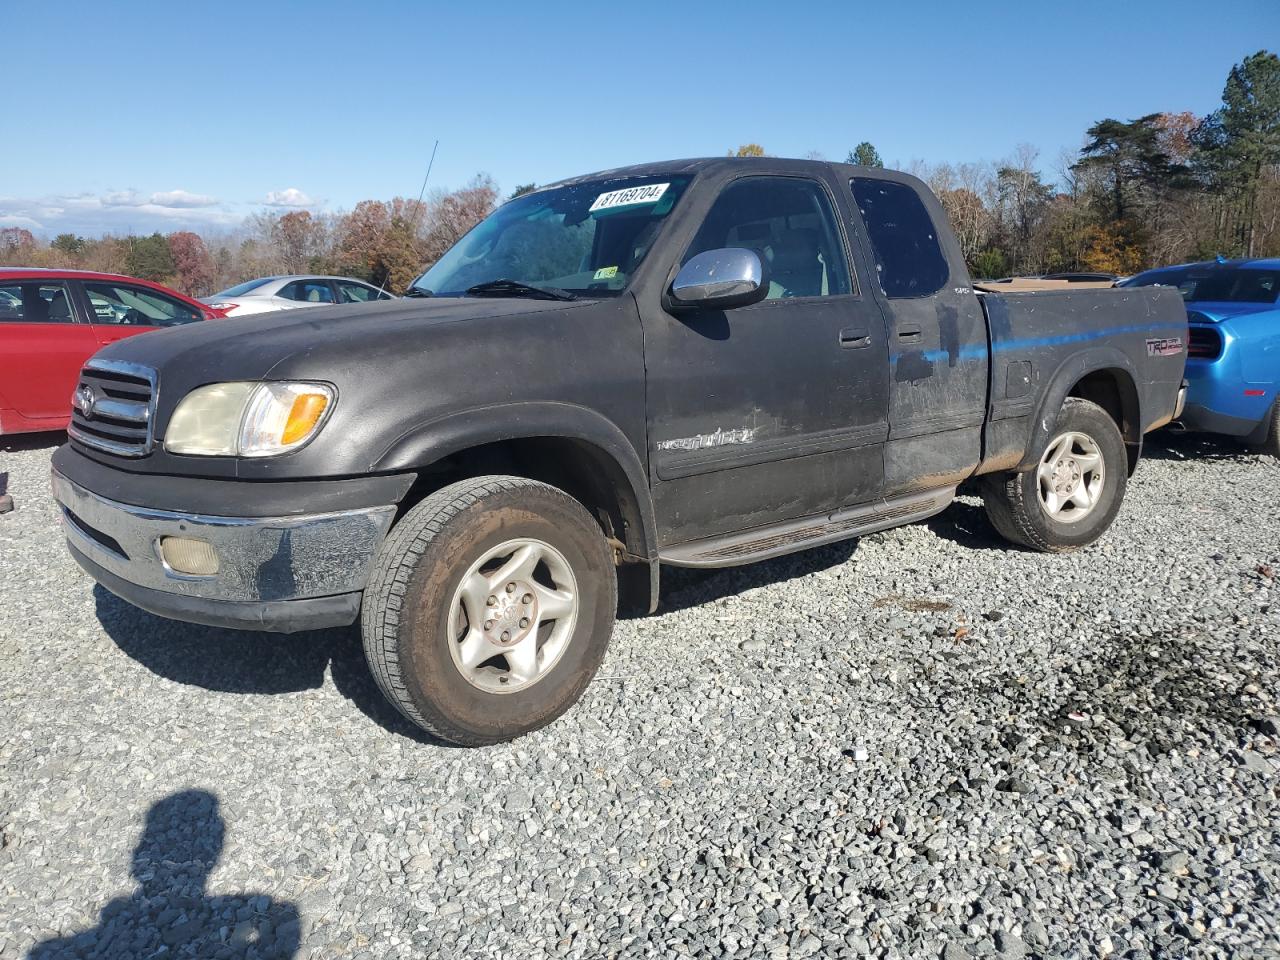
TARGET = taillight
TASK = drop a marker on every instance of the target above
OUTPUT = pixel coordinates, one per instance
(1204, 343)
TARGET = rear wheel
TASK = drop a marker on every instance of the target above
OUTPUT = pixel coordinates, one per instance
(1271, 444)
(489, 609)
(1072, 494)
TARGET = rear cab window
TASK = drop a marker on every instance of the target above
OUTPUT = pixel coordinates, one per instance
(909, 259)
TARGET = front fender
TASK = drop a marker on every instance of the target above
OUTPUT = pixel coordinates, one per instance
(432, 440)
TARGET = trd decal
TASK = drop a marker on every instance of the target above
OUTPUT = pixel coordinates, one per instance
(1164, 347)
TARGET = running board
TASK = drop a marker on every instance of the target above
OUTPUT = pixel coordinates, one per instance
(761, 543)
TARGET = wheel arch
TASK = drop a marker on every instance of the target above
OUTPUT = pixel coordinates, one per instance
(1104, 376)
(568, 446)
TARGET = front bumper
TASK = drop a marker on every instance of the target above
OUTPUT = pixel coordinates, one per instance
(274, 573)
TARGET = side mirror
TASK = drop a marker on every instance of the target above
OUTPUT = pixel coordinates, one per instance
(729, 277)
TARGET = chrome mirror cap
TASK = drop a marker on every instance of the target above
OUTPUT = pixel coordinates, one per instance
(728, 277)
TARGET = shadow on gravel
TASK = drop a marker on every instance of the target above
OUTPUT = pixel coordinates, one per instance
(171, 912)
(240, 661)
(685, 587)
(967, 524)
(1171, 445)
(18, 442)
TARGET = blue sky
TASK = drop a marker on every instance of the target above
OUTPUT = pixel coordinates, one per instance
(165, 115)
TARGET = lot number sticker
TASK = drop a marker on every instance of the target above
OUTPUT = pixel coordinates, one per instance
(649, 193)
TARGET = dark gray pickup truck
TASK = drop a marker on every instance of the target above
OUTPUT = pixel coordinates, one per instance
(701, 363)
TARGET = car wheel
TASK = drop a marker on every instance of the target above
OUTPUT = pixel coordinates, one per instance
(1271, 444)
(489, 609)
(1073, 493)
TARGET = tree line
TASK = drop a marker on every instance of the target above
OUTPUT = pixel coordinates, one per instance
(1163, 188)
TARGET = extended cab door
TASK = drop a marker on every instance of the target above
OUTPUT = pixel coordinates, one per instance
(776, 410)
(938, 347)
(43, 345)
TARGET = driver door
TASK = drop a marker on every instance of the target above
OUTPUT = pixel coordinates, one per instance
(778, 410)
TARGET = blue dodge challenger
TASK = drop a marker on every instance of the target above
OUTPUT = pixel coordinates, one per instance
(1233, 356)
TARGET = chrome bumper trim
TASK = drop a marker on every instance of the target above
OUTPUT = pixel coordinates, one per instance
(1181, 403)
(260, 558)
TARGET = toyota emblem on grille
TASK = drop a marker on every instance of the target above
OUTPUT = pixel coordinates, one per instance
(83, 400)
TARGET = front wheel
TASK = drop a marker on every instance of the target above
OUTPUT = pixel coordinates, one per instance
(489, 609)
(1072, 495)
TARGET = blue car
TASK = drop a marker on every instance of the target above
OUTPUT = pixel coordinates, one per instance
(1233, 354)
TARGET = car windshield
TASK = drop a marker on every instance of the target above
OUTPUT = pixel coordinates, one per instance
(240, 289)
(585, 238)
(1217, 284)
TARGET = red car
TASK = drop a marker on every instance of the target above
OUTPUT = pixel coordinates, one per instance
(52, 321)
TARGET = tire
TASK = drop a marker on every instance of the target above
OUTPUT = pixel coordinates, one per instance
(417, 616)
(1024, 516)
(1271, 443)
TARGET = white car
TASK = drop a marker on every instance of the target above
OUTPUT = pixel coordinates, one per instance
(286, 293)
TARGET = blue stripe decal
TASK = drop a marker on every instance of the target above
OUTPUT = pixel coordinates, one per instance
(979, 351)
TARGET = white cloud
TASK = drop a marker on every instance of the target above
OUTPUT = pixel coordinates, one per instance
(12, 220)
(173, 199)
(117, 212)
(182, 199)
(291, 197)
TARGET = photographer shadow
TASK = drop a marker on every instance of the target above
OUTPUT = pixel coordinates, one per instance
(171, 912)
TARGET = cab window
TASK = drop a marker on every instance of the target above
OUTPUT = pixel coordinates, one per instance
(790, 224)
(35, 302)
(137, 306)
(358, 292)
(307, 291)
(909, 260)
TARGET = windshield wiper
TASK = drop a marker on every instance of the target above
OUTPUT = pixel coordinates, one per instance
(514, 288)
(418, 292)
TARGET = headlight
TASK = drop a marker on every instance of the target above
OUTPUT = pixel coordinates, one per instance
(247, 419)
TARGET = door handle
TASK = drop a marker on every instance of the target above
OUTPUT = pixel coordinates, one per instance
(853, 338)
(909, 334)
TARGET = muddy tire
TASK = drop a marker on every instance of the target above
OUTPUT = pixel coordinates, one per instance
(489, 609)
(1072, 494)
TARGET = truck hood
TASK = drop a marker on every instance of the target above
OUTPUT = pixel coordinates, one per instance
(249, 347)
(1216, 311)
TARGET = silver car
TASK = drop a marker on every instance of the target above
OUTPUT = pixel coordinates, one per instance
(286, 293)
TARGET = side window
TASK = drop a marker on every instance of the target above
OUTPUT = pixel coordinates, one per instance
(35, 302)
(307, 291)
(137, 306)
(909, 261)
(789, 222)
(358, 292)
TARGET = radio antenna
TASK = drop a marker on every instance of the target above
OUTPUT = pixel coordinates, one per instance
(417, 213)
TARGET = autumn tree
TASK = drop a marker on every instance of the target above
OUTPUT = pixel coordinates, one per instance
(521, 190)
(299, 239)
(748, 150)
(192, 263)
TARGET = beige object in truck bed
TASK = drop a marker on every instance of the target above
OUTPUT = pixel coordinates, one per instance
(1025, 284)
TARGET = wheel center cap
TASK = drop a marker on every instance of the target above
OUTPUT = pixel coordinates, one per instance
(512, 613)
(1066, 474)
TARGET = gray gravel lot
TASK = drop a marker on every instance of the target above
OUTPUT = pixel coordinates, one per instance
(922, 744)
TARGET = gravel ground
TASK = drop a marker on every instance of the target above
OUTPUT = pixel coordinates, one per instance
(922, 744)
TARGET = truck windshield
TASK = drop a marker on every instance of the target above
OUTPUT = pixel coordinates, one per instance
(585, 238)
(1217, 284)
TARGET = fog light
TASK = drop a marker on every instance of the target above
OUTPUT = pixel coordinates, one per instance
(195, 558)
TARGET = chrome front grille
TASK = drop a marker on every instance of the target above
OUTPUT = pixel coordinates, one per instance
(113, 407)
